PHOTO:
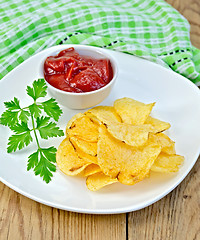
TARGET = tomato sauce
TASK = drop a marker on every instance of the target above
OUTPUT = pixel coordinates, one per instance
(71, 72)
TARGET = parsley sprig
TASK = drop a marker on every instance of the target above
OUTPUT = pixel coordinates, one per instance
(30, 121)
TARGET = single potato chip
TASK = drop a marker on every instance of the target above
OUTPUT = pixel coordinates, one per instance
(168, 146)
(87, 147)
(70, 123)
(67, 159)
(105, 114)
(91, 169)
(93, 118)
(98, 180)
(119, 160)
(82, 154)
(132, 111)
(166, 163)
(84, 129)
(158, 124)
(132, 135)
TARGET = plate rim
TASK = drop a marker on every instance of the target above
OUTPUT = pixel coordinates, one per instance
(104, 211)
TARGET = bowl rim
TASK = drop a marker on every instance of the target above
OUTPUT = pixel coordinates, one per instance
(94, 49)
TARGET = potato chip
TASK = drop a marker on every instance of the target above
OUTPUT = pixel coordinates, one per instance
(93, 118)
(166, 163)
(158, 124)
(133, 135)
(132, 111)
(91, 169)
(168, 146)
(82, 154)
(87, 147)
(106, 114)
(67, 159)
(84, 129)
(119, 160)
(70, 123)
(98, 180)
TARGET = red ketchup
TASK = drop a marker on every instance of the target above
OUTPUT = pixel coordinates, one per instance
(72, 72)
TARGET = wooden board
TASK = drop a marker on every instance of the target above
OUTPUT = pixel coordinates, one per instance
(22, 218)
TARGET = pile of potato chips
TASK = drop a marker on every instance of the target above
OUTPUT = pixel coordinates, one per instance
(117, 144)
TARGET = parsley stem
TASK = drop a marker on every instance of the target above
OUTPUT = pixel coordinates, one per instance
(36, 138)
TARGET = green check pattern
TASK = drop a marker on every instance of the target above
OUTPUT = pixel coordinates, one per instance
(150, 29)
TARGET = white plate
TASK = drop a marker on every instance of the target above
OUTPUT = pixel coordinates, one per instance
(178, 102)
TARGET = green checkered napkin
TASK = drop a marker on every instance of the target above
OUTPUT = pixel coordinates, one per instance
(150, 29)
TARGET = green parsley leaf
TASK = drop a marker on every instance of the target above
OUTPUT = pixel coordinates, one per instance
(24, 116)
(38, 90)
(14, 113)
(13, 105)
(41, 122)
(50, 153)
(35, 110)
(48, 130)
(20, 128)
(9, 118)
(44, 167)
(33, 160)
(18, 141)
(52, 109)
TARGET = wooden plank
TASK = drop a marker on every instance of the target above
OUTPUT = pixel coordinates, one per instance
(22, 218)
(190, 9)
(174, 217)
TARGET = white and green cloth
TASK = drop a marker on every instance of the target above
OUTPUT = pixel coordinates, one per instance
(150, 29)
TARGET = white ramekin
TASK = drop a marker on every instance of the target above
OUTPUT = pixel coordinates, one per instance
(86, 99)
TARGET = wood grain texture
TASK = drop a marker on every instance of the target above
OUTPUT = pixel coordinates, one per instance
(190, 9)
(22, 218)
(174, 217)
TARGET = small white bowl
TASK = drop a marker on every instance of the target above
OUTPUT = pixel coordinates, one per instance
(86, 99)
